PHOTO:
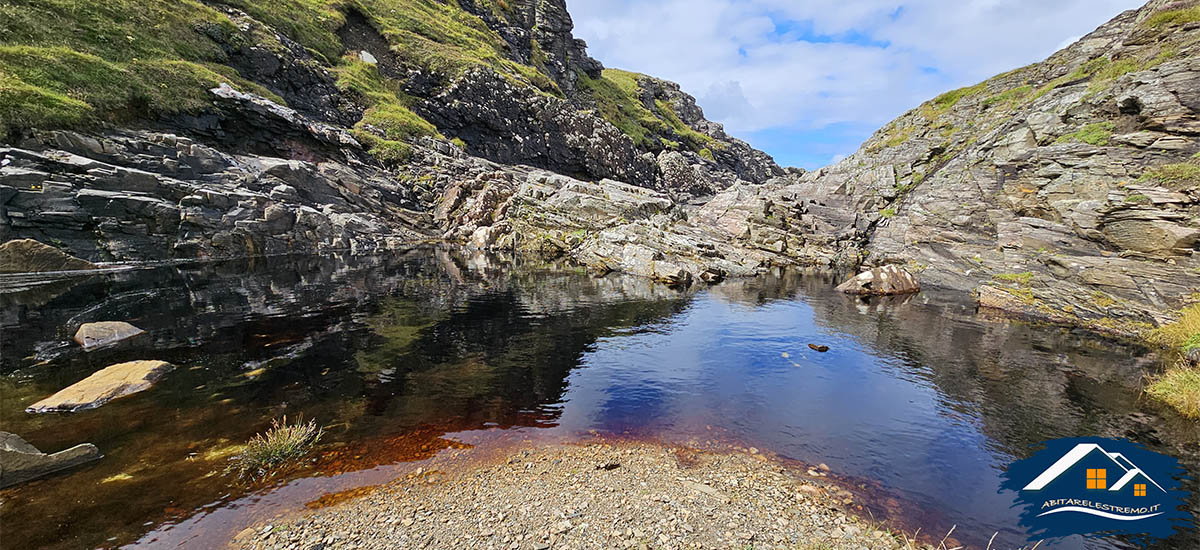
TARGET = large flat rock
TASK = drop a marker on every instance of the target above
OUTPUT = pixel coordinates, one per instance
(105, 385)
(21, 462)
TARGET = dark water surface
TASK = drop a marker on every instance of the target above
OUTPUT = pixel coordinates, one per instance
(401, 357)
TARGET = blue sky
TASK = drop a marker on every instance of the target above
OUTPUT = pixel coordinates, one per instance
(808, 81)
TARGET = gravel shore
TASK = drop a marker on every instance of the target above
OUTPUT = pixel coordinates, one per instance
(596, 495)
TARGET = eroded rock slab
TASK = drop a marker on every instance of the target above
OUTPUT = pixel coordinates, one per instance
(21, 462)
(31, 256)
(882, 281)
(105, 385)
(105, 334)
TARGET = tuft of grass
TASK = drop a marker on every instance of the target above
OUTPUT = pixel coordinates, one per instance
(1177, 176)
(1178, 387)
(282, 444)
(888, 212)
(707, 154)
(1182, 332)
(1137, 199)
(1021, 279)
(1096, 133)
(1171, 18)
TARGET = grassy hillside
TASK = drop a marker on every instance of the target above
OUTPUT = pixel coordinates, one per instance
(617, 97)
(73, 63)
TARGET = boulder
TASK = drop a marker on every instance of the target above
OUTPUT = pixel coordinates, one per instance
(103, 386)
(882, 281)
(21, 462)
(28, 255)
(94, 336)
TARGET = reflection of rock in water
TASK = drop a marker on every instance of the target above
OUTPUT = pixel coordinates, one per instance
(376, 348)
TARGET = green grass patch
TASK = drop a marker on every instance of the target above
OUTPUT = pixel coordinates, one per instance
(1009, 97)
(282, 444)
(1179, 333)
(1021, 279)
(707, 154)
(617, 97)
(1171, 18)
(388, 123)
(57, 87)
(951, 98)
(1096, 133)
(1178, 387)
(1176, 176)
(1138, 199)
(888, 212)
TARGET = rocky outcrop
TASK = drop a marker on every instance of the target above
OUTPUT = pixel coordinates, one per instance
(21, 462)
(881, 281)
(30, 256)
(1072, 184)
(103, 386)
(105, 334)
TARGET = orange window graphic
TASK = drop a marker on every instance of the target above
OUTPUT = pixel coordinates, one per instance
(1097, 478)
(1139, 489)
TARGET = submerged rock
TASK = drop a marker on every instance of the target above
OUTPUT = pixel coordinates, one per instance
(30, 256)
(94, 336)
(105, 385)
(21, 462)
(882, 281)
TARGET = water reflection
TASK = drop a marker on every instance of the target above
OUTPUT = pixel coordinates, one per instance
(401, 356)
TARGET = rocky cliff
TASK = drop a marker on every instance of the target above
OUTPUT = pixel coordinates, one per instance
(1065, 190)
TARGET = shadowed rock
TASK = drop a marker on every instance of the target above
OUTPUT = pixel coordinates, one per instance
(94, 336)
(110, 383)
(882, 281)
(21, 462)
(28, 255)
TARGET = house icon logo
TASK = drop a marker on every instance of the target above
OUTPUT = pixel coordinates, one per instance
(1099, 487)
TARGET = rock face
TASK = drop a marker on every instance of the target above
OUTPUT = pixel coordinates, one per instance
(103, 386)
(881, 281)
(104, 334)
(1072, 185)
(21, 462)
(28, 255)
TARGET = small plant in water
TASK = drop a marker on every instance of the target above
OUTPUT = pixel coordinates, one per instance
(281, 444)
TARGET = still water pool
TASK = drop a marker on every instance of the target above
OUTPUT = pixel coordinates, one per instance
(920, 402)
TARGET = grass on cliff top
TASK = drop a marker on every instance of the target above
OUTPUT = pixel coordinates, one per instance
(69, 63)
(617, 97)
(1170, 18)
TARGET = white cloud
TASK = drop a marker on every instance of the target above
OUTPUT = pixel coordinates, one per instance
(758, 65)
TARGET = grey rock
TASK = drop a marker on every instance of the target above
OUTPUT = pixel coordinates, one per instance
(105, 334)
(881, 281)
(21, 462)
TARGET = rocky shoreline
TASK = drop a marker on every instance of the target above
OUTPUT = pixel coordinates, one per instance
(591, 495)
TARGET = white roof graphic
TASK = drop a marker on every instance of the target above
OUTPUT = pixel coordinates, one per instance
(1129, 469)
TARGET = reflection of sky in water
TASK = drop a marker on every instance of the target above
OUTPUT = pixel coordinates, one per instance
(722, 364)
